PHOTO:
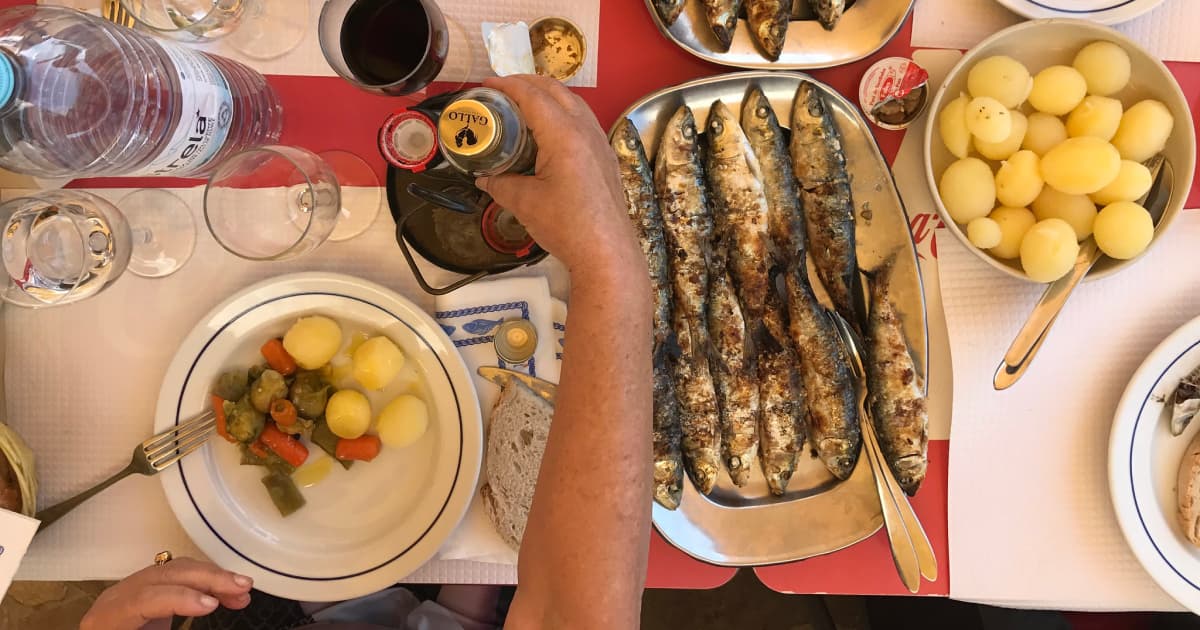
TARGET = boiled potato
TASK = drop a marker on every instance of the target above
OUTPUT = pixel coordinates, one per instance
(1049, 250)
(376, 362)
(1019, 180)
(1081, 166)
(1008, 146)
(1105, 67)
(1002, 78)
(988, 119)
(1043, 132)
(312, 341)
(1077, 210)
(968, 190)
(403, 421)
(1144, 130)
(984, 233)
(952, 124)
(1131, 183)
(1014, 223)
(1096, 116)
(1124, 230)
(348, 414)
(1057, 90)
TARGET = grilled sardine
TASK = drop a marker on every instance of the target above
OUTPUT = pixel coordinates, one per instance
(781, 402)
(699, 418)
(828, 11)
(820, 167)
(897, 394)
(768, 25)
(829, 385)
(642, 205)
(669, 10)
(785, 217)
(722, 16)
(737, 391)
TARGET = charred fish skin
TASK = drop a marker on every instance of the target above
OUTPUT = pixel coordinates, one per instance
(637, 180)
(669, 10)
(667, 435)
(828, 11)
(785, 218)
(722, 19)
(820, 167)
(897, 397)
(687, 224)
(782, 408)
(737, 392)
(1185, 402)
(638, 183)
(769, 21)
(740, 209)
(829, 386)
(699, 417)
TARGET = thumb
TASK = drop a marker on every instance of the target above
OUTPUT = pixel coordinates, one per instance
(513, 192)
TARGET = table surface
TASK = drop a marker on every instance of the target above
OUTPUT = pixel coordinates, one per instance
(324, 113)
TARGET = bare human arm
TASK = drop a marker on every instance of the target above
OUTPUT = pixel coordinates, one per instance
(583, 558)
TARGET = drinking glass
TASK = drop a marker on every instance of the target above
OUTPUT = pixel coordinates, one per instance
(392, 47)
(260, 29)
(272, 202)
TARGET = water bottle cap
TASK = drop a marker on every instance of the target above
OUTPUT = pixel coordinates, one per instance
(8, 80)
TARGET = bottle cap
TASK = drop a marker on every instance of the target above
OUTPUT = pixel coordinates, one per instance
(516, 340)
(467, 127)
(408, 140)
(8, 80)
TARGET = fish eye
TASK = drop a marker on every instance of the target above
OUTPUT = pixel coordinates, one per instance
(761, 112)
(630, 144)
(689, 132)
(717, 126)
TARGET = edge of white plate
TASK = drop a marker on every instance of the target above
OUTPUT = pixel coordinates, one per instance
(1123, 11)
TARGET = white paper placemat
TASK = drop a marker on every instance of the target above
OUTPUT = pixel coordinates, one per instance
(1030, 519)
(467, 53)
(82, 381)
(1168, 31)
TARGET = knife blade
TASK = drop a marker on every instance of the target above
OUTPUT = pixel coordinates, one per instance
(501, 377)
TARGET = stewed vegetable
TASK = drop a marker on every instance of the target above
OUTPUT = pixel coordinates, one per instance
(310, 393)
(243, 421)
(267, 389)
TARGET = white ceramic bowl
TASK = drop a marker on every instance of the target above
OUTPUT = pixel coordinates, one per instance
(1042, 43)
(1099, 11)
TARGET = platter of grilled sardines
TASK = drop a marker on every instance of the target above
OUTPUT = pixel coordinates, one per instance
(780, 34)
(764, 206)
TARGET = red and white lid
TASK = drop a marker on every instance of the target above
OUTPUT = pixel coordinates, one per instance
(408, 140)
(890, 78)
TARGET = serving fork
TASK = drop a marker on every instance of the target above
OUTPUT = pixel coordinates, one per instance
(910, 546)
(149, 458)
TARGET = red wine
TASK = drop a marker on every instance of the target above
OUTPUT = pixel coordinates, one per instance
(388, 41)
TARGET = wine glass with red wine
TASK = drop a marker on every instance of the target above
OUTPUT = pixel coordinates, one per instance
(390, 47)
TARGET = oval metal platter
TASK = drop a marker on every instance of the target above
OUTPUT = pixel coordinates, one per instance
(748, 526)
(864, 28)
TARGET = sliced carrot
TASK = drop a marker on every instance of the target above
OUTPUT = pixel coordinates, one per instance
(362, 449)
(258, 449)
(283, 412)
(278, 358)
(291, 450)
(218, 404)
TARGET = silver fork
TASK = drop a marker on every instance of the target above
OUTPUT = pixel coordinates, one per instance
(114, 11)
(149, 458)
(907, 538)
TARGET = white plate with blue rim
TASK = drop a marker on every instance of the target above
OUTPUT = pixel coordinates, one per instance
(1143, 466)
(361, 529)
(1099, 11)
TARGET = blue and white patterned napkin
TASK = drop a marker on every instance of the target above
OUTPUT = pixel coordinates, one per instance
(470, 317)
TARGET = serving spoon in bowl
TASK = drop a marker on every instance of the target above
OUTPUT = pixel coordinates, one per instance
(1029, 340)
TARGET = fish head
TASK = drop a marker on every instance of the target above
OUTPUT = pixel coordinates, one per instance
(679, 140)
(840, 455)
(726, 140)
(758, 117)
(626, 142)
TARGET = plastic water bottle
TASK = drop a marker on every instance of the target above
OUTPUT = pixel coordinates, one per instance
(81, 96)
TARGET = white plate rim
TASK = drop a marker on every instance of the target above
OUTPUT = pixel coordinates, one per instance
(466, 480)
(1118, 11)
(1129, 421)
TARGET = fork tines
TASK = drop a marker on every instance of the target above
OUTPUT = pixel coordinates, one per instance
(168, 447)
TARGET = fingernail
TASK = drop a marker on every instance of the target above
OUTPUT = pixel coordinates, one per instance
(208, 601)
(242, 581)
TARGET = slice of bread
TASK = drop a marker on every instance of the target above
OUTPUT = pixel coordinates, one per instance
(516, 440)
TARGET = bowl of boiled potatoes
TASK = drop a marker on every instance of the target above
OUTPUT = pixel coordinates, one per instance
(1043, 136)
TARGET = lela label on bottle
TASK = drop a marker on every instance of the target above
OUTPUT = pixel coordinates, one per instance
(207, 111)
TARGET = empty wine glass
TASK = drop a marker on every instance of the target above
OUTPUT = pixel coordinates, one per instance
(272, 203)
(260, 29)
(63, 246)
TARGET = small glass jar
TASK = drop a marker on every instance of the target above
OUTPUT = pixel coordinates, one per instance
(515, 341)
(481, 133)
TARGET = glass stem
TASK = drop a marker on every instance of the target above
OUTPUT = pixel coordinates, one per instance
(142, 236)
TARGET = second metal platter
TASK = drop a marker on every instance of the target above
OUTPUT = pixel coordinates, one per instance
(865, 27)
(748, 526)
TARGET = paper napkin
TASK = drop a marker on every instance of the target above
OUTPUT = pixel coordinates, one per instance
(16, 532)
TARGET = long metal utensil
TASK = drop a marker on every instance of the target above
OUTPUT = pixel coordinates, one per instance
(1029, 340)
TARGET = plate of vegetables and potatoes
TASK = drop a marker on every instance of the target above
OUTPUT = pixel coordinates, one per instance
(349, 436)
(1044, 135)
